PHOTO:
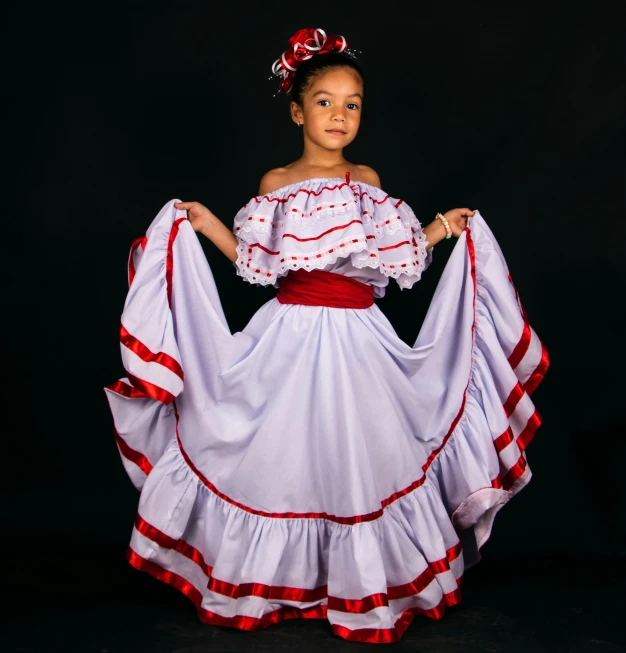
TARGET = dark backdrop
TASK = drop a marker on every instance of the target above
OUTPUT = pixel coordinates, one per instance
(113, 109)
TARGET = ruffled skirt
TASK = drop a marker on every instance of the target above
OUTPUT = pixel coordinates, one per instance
(314, 465)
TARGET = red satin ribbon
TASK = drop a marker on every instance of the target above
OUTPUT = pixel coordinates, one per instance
(321, 288)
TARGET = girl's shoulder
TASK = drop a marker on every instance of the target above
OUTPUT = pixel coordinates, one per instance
(366, 174)
(274, 179)
(281, 177)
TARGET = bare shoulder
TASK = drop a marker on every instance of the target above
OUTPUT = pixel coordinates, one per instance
(368, 175)
(273, 179)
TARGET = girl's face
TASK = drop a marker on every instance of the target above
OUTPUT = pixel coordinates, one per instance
(331, 109)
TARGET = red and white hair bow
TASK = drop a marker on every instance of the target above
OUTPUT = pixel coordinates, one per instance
(303, 45)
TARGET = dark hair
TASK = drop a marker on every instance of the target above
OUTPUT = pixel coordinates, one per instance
(311, 68)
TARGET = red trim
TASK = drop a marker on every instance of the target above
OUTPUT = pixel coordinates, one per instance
(169, 259)
(281, 200)
(537, 376)
(295, 593)
(325, 233)
(151, 390)
(521, 348)
(371, 635)
(529, 431)
(356, 519)
(167, 542)
(238, 621)
(267, 251)
(513, 399)
(269, 592)
(514, 473)
(134, 456)
(503, 440)
(416, 586)
(141, 241)
(125, 389)
(404, 242)
(540, 371)
(136, 346)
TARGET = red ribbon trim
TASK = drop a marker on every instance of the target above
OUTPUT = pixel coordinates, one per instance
(512, 401)
(134, 456)
(151, 390)
(537, 376)
(126, 390)
(293, 593)
(521, 348)
(137, 347)
(169, 259)
(167, 542)
(371, 635)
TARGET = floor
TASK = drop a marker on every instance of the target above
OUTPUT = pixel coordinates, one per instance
(66, 602)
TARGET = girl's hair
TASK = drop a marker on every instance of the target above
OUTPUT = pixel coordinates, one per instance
(308, 71)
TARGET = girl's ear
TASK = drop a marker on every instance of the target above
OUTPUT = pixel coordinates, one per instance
(296, 113)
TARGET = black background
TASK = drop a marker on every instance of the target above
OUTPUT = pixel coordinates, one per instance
(113, 109)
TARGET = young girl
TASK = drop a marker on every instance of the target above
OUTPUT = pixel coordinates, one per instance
(314, 465)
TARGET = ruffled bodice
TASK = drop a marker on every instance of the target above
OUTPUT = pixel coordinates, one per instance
(327, 223)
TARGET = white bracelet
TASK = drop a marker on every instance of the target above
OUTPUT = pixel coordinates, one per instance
(446, 224)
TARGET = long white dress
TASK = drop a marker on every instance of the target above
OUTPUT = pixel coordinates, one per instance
(314, 465)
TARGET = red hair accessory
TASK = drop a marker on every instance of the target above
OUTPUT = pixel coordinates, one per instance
(303, 45)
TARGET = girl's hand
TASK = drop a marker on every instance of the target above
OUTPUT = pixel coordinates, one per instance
(200, 217)
(458, 220)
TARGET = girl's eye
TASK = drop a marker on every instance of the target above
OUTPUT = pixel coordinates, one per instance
(353, 106)
(324, 105)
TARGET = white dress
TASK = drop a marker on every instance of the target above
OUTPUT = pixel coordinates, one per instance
(314, 465)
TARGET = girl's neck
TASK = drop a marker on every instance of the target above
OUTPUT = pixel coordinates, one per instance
(322, 159)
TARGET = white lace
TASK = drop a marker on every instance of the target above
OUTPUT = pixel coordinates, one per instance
(381, 220)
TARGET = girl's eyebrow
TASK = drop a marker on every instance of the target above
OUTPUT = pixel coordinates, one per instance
(327, 93)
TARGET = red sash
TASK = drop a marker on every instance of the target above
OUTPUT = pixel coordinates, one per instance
(321, 288)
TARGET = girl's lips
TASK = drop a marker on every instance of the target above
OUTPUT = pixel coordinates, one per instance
(336, 132)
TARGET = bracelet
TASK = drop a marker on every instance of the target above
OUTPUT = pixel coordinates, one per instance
(446, 224)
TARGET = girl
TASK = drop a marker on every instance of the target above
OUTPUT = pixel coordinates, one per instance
(314, 465)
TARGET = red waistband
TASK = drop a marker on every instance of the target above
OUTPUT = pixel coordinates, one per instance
(321, 288)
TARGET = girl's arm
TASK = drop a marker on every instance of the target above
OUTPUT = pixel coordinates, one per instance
(209, 225)
(435, 231)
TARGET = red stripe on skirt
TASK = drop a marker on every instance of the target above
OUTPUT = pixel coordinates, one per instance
(137, 347)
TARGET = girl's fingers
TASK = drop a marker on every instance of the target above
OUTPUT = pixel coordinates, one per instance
(184, 205)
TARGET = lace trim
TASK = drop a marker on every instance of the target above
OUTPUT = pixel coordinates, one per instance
(405, 271)
(275, 230)
(267, 223)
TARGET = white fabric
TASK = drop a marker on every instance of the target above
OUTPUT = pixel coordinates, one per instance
(316, 223)
(323, 410)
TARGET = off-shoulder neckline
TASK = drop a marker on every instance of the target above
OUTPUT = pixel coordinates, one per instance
(294, 185)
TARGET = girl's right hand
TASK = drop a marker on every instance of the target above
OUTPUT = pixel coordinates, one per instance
(198, 214)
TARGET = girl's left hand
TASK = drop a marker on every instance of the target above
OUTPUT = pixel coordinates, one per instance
(458, 220)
